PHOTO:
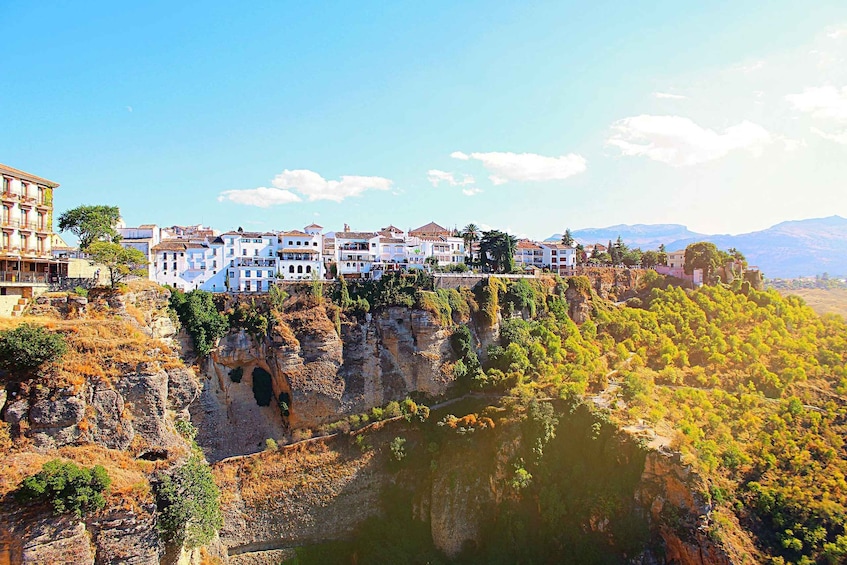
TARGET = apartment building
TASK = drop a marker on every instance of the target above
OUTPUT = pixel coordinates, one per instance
(558, 257)
(144, 238)
(356, 253)
(301, 254)
(528, 254)
(27, 264)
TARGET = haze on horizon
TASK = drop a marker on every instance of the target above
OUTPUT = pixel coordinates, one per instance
(724, 117)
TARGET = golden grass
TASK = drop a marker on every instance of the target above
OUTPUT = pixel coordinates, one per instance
(130, 488)
(822, 301)
(262, 477)
(104, 348)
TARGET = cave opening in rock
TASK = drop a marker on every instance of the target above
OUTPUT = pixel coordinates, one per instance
(154, 455)
(262, 387)
(285, 404)
(236, 374)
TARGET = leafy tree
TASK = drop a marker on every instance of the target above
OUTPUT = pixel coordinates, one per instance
(200, 318)
(567, 239)
(631, 257)
(25, 348)
(67, 487)
(189, 504)
(702, 255)
(91, 223)
(650, 259)
(497, 251)
(120, 261)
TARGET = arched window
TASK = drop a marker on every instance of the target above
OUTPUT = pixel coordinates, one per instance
(291, 268)
(308, 268)
(299, 268)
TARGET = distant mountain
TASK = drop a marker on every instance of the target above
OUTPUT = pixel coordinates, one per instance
(789, 249)
(646, 236)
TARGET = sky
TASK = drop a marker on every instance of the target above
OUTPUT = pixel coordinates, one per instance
(531, 117)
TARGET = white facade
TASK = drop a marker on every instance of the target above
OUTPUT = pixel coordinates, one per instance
(301, 254)
(144, 238)
(529, 254)
(251, 260)
(356, 253)
(558, 257)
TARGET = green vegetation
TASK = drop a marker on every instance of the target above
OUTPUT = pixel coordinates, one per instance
(27, 347)
(121, 262)
(91, 223)
(66, 487)
(497, 251)
(250, 318)
(200, 317)
(188, 502)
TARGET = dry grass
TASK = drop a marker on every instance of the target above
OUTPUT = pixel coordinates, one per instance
(262, 477)
(130, 488)
(104, 348)
(822, 301)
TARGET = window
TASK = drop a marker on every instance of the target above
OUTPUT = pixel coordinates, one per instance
(308, 268)
(299, 268)
(299, 242)
(291, 268)
(290, 242)
(258, 274)
(315, 243)
(244, 252)
(214, 264)
(246, 273)
(174, 266)
(255, 253)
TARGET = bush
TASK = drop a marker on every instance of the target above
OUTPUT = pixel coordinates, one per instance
(271, 444)
(189, 504)
(27, 347)
(67, 487)
(200, 318)
(398, 448)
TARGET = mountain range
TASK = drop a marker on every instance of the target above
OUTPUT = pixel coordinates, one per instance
(789, 249)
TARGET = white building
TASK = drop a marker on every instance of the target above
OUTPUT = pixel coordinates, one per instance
(144, 238)
(528, 254)
(251, 260)
(301, 254)
(356, 253)
(558, 257)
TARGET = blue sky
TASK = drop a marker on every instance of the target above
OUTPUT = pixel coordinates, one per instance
(526, 116)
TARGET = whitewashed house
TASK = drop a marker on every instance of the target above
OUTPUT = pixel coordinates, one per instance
(301, 254)
(356, 253)
(558, 257)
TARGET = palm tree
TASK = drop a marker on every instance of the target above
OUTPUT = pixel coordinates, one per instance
(470, 234)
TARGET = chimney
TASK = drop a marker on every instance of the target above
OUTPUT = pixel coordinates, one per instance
(346, 227)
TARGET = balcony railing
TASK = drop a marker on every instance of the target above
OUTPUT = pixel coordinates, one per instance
(22, 277)
(20, 224)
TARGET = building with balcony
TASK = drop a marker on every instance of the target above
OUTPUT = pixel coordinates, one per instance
(27, 265)
(301, 254)
(528, 254)
(356, 253)
(558, 257)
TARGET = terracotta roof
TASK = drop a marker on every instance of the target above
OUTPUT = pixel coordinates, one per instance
(17, 173)
(392, 227)
(391, 240)
(313, 226)
(354, 235)
(147, 226)
(431, 227)
(176, 245)
(554, 245)
(297, 233)
(527, 244)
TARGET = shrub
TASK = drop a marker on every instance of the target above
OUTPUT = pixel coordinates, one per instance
(27, 347)
(398, 448)
(189, 504)
(67, 487)
(200, 318)
(186, 429)
(271, 444)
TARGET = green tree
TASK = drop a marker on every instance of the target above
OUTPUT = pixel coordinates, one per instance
(200, 318)
(120, 261)
(703, 255)
(67, 487)
(25, 348)
(649, 259)
(470, 235)
(91, 223)
(497, 251)
(189, 503)
(567, 239)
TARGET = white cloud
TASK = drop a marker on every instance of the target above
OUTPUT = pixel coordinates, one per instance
(526, 166)
(826, 102)
(314, 187)
(840, 137)
(436, 177)
(752, 67)
(669, 96)
(309, 184)
(837, 34)
(471, 191)
(263, 197)
(680, 142)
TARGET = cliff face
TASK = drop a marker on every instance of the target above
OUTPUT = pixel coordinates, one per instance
(322, 376)
(112, 401)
